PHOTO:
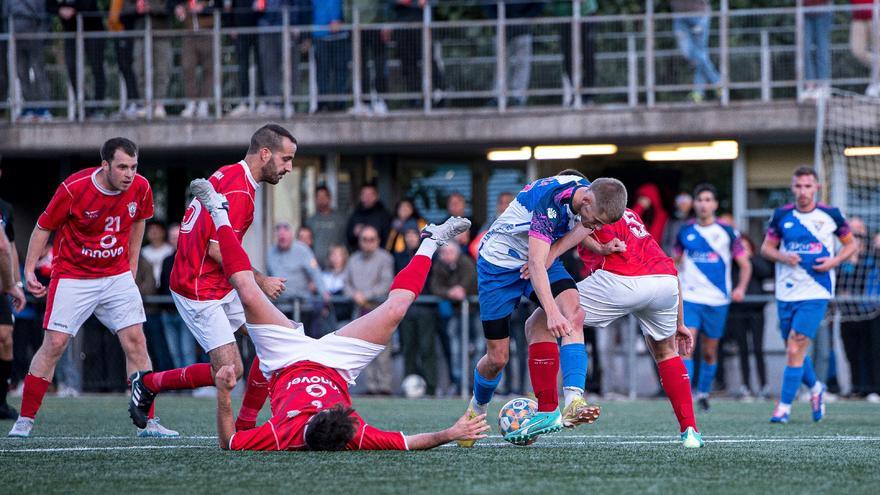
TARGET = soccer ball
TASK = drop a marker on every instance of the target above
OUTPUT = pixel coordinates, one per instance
(413, 386)
(516, 414)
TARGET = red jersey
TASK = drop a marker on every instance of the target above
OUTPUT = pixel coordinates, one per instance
(93, 225)
(195, 275)
(298, 392)
(643, 255)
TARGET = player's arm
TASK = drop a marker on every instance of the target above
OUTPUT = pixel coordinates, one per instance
(9, 272)
(745, 274)
(225, 381)
(683, 335)
(850, 246)
(36, 247)
(770, 250)
(271, 286)
(463, 429)
(135, 241)
(539, 249)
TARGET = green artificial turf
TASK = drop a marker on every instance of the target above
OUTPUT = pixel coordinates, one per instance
(87, 445)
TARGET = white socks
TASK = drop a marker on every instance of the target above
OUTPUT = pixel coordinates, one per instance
(571, 393)
(221, 218)
(477, 407)
(427, 248)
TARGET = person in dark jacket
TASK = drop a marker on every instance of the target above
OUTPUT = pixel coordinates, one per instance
(370, 211)
(67, 10)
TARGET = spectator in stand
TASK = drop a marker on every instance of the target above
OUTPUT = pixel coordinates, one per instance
(334, 281)
(197, 55)
(241, 14)
(817, 49)
(588, 47)
(67, 11)
(293, 262)
(160, 13)
(271, 15)
(181, 344)
(4, 79)
(332, 51)
(418, 328)
(327, 224)
(456, 206)
(153, 332)
(691, 25)
(122, 17)
(519, 47)
(454, 278)
(649, 206)
(502, 201)
(157, 248)
(860, 40)
(306, 236)
(684, 203)
(368, 278)
(409, 48)
(31, 16)
(374, 49)
(406, 217)
(369, 212)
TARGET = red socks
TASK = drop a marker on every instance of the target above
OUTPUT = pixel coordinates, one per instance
(194, 376)
(675, 381)
(544, 370)
(234, 258)
(255, 394)
(413, 275)
(34, 391)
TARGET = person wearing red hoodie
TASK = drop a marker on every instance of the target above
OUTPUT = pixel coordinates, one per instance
(860, 40)
(649, 206)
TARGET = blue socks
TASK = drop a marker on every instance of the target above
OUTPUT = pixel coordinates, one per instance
(573, 362)
(689, 365)
(809, 378)
(707, 376)
(791, 382)
(484, 388)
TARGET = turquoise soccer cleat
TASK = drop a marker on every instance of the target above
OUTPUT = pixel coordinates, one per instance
(541, 423)
(691, 438)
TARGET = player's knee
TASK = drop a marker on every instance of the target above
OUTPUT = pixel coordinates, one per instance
(250, 296)
(498, 359)
(5, 340)
(54, 343)
(397, 308)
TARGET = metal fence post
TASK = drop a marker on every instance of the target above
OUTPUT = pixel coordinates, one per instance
(465, 345)
(649, 53)
(79, 45)
(286, 65)
(427, 56)
(313, 80)
(218, 74)
(632, 72)
(576, 49)
(297, 310)
(12, 73)
(356, 61)
(501, 58)
(875, 42)
(799, 49)
(148, 66)
(724, 45)
(766, 67)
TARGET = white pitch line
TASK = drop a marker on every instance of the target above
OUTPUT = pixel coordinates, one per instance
(92, 449)
(182, 437)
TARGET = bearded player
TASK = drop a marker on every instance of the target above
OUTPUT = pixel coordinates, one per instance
(642, 281)
(206, 301)
(98, 217)
(311, 407)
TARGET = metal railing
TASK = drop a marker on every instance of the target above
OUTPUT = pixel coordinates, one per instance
(432, 65)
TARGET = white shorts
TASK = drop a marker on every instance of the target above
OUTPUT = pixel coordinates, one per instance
(212, 323)
(278, 347)
(652, 299)
(115, 301)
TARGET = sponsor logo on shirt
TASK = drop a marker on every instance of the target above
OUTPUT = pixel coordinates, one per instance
(804, 247)
(704, 256)
(313, 380)
(92, 214)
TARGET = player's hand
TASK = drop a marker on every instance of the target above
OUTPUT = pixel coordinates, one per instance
(18, 299)
(791, 259)
(684, 340)
(225, 378)
(824, 264)
(469, 428)
(524, 272)
(558, 325)
(613, 246)
(272, 286)
(738, 295)
(34, 286)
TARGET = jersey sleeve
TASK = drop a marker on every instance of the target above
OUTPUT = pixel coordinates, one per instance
(678, 248)
(544, 217)
(145, 208)
(737, 248)
(262, 438)
(369, 438)
(57, 211)
(774, 230)
(843, 231)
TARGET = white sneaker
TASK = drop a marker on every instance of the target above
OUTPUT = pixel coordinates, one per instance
(268, 110)
(208, 196)
(134, 111)
(873, 90)
(202, 110)
(379, 107)
(446, 231)
(873, 398)
(155, 430)
(66, 391)
(240, 110)
(22, 427)
(159, 111)
(189, 110)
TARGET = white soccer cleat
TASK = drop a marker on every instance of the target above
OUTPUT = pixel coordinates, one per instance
(155, 429)
(447, 230)
(691, 438)
(210, 198)
(22, 427)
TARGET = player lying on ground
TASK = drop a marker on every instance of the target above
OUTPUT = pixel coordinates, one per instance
(554, 209)
(311, 407)
(640, 281)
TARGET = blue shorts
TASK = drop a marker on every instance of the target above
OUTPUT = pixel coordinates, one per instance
(711, 320)
(804, 317)
(500, 289)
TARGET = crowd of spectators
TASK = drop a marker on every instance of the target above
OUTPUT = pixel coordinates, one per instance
(331, 46)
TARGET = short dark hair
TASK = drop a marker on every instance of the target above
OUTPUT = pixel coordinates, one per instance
(706, 187)
(805, 170)
(571, 171)
(324, 188)
(610, 197)
(108, 149)
(331, 429)
(269, 136)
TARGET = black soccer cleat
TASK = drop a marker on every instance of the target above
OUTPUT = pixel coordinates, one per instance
(704, 404)
(141, 399)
